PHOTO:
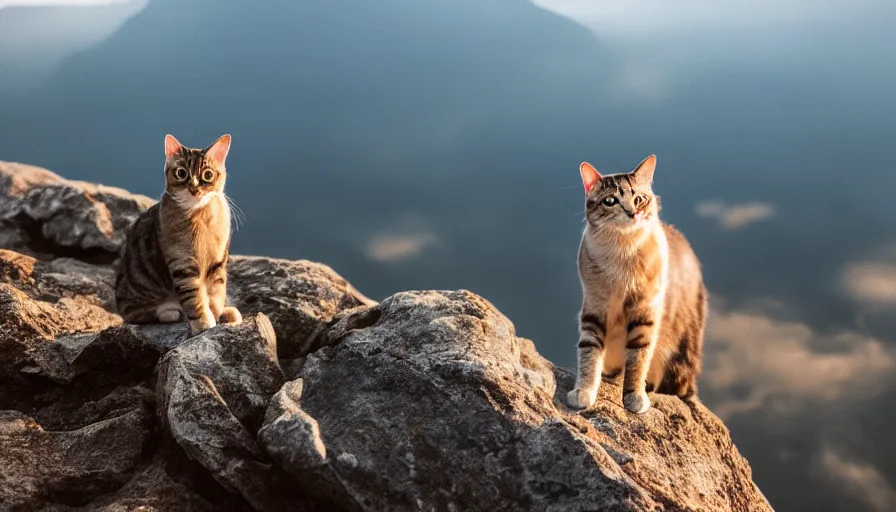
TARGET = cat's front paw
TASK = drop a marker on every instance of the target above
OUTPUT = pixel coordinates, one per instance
(581, 398)
(231, 316)
(636, 402)
(205, 322)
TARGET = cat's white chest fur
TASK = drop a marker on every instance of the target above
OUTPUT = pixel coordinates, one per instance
(616, 258)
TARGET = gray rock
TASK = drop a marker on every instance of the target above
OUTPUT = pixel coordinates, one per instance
(289, 434)
(76, 400)
(212, 393)
(430, 402)
(52, 214)
(298, 296)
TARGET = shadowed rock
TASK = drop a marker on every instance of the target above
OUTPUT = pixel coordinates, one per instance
(69, 467)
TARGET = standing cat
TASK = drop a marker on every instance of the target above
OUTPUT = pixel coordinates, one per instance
(644, 304)
(175, 258)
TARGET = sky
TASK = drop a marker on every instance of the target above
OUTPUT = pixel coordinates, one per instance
(442, 142)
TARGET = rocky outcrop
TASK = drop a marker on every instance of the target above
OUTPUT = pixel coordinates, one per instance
(321, 400)
(44, 213)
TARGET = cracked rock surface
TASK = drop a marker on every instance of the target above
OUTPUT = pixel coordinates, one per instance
(321, 400)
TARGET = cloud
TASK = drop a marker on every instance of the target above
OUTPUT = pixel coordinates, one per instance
(735, 216)
(755, 362)
(860, 479)
(387, 248)
(640, 81)
(872, 283)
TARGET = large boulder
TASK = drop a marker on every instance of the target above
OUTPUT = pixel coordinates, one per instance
(429, 401)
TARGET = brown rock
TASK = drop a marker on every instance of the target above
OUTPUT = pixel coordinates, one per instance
(68, 467)
(150, 489)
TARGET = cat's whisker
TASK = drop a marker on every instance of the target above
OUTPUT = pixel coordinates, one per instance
(239, 217)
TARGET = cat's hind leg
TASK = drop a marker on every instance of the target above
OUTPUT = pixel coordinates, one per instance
(230, 315)
(138, 315)
(614, 362)
(169, 312)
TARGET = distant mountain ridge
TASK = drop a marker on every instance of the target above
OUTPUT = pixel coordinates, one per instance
(34, 38)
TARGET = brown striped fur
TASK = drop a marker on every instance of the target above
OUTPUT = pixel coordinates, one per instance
(644, 303)
(174, 262)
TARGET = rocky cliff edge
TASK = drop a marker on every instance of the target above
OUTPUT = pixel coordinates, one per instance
(321, 400)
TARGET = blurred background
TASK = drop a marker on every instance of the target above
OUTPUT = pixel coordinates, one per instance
(416, 145)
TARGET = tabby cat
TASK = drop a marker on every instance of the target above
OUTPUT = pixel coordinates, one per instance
(174, 262)
(644, 303)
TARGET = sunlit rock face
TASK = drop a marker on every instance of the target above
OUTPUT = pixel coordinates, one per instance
(322, 399)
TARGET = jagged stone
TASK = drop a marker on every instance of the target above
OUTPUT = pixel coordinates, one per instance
(427, 401)
(52, 214)
(430, 401)
(298, 296)
(212, 393)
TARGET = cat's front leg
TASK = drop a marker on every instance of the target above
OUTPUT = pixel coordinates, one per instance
(642, 331)
(217, 292)
(592, 333)
(190, 288)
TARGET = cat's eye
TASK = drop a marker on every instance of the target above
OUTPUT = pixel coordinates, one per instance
(208, 175)
(180, 174)
(610, 201)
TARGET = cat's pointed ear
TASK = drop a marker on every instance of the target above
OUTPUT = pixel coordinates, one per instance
(590, 176)
(172, 145)
(644, 171)
(217, 152)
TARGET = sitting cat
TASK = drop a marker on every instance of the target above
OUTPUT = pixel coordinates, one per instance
(175, 258)
(644, 304)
